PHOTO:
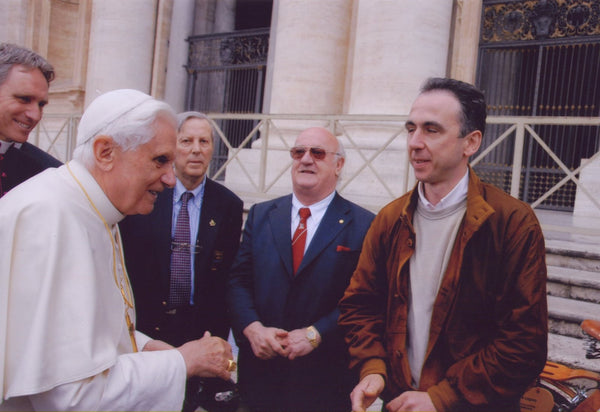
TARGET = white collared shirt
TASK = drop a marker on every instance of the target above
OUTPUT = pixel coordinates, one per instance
(317, 211)
(456, 195)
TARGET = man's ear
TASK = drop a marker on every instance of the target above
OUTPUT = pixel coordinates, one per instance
(339, 165)
(104, 152)
(472, 142)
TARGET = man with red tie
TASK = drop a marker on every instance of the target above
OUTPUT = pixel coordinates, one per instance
(24, 80)
(297, 255)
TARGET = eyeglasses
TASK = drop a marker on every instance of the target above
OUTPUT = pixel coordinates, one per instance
(317, 153)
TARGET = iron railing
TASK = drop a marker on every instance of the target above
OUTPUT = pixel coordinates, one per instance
(267, 175)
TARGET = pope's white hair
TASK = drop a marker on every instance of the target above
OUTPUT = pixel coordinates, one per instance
(129, 130)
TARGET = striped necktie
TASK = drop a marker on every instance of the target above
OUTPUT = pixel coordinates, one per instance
(299, 239)
(181, 257)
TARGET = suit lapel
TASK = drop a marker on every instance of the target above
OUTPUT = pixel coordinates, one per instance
(163, 216)
(336, 218)
(18, 165)
(208, 225)
(280, 219)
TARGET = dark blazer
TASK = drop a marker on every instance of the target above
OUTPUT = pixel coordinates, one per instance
(20, 164)
(147, 249)
(262, 287)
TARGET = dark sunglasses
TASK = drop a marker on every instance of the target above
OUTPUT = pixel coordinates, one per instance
(316, 152)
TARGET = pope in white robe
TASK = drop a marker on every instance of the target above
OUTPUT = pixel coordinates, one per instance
(65, 300)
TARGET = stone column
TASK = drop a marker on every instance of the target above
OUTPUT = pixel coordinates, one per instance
(395, 50)
(396, 46)
(465, 45)
(121, 46)
(308, 51)
(182, 25)
(13, 22)
(214, 16)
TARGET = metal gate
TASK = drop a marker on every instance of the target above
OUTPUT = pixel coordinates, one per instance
(226, 74)
(540, 58)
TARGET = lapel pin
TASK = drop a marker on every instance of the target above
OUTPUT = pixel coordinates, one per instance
(341, 221)
(212, 222)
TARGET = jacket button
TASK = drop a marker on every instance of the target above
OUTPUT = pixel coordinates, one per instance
(157, 329)
(409, 242)
(399, 353)
(164, 303)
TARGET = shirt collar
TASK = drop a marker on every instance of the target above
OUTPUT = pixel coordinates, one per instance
(4, 146)
(180, 189)
(456, 195)
(315, 208)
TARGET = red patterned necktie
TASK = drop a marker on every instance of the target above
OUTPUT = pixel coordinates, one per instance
(299, 239)
(181, 257)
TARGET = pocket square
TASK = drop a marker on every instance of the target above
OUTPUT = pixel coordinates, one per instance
(341, 248)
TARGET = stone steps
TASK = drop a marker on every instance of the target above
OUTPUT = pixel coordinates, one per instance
(573, 295)
(578, 284)
(573, 255)
(565, 315)
(571, 352)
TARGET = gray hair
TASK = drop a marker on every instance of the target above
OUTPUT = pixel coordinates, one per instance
(183, 117)
(12, 55)
(132, 128)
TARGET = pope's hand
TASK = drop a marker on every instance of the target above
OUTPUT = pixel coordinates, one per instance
(155, 344)
(208, 357)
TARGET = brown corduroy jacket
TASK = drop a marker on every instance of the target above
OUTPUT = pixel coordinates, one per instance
(489, 326)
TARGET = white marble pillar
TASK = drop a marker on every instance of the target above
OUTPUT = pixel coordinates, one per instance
(465, 45)
(396, 46)
(182, 26)
(13, 21)
(214, 16)
(121, 46)
(308, 51)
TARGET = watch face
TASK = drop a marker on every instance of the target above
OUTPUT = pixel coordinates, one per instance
(311, 335)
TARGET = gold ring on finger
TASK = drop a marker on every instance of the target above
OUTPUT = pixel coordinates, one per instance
(231, 365)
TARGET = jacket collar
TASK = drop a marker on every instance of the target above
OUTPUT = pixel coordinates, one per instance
(478, 210)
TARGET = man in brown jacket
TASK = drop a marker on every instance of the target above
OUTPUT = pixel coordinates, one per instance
(447, 307)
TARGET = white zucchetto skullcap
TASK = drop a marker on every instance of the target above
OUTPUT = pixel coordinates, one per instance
(107, 108)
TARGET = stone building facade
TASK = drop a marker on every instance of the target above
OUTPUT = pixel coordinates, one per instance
(333, 57)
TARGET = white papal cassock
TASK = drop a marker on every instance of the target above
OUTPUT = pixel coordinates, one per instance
(64, 342)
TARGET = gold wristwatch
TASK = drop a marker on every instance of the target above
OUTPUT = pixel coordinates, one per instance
(311, 335)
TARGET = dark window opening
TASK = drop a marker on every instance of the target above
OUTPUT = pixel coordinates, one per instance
(540, 59)
(227, 73)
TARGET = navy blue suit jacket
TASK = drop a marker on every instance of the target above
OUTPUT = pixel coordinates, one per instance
(147, 249)
(21, 164)
(263, 287)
